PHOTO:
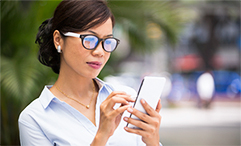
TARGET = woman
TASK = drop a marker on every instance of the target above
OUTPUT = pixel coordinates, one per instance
(79, 109)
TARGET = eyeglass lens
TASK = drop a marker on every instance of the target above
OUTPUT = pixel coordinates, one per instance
(110, 44)
(90, 42)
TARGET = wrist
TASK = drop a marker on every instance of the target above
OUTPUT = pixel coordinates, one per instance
(99, 140)
(156, 144)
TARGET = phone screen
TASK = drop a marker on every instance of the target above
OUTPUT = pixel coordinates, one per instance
(150, 90)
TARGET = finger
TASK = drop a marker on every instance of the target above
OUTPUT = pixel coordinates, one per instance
(155, 120)
(159, 106)
(116, 99)
(114, 93)
(148, 108)
(119, 110)
(144, 117)
(144, 126)
(126, 97)
(135, 131)
(112, 98)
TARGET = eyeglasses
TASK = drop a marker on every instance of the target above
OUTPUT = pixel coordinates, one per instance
(90, 42)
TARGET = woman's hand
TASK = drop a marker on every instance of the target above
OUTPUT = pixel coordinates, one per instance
(110, 117)
(149, 125)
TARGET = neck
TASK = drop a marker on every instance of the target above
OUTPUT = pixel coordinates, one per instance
(75, 86)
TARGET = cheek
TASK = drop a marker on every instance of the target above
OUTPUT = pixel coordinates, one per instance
(73, 53)
(74, 48)
(73, 45)
(107, 56)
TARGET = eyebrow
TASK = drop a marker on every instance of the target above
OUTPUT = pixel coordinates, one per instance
(97, 34)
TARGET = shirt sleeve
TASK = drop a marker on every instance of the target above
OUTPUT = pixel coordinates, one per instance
(141, 143)
(30, 135)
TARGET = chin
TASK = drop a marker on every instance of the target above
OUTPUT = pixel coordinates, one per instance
(94, 75)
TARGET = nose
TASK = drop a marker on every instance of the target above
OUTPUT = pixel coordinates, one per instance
(98, 51)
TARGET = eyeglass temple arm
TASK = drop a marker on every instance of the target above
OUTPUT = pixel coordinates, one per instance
(72, 34)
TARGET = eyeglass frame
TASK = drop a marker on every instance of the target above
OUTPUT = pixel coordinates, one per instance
(72, 34)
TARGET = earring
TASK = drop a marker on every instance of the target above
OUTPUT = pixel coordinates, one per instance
(59, 49)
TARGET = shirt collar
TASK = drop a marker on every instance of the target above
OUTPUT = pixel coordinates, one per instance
(100, 83)
(103, 85)
(47, 96)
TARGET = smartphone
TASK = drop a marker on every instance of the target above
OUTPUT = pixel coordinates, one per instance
(150, 90)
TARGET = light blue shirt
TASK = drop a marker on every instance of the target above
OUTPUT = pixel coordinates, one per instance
(48, 121)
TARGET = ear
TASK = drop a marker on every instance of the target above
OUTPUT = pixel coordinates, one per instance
(58, 40)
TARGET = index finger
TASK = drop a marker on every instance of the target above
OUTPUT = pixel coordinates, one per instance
(121, 94)
(148, 108)
(114, 93)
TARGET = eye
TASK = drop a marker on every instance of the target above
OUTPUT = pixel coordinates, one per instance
(90, 42)
(108, 41)
(110, 44)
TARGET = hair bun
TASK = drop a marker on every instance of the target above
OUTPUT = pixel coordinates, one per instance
(47, 53)
(44, 31)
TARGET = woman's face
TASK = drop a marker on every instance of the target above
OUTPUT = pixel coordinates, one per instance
(76, 60)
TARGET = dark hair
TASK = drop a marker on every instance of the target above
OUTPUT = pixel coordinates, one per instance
(69, 16)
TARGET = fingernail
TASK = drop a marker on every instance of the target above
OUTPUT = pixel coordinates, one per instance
(125, 119)
(126, 128)
(130, 110)
(143, 101)
(133, 97)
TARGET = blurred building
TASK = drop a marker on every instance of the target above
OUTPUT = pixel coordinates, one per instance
(210, 41)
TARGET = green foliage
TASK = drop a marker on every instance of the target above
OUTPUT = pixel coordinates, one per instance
(22, 76)
(135, 17)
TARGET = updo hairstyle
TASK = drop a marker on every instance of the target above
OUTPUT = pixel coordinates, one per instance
(69, 16)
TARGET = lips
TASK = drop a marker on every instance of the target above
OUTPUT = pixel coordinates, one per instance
(94, 64)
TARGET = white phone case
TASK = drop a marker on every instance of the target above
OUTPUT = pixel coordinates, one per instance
(150, 90)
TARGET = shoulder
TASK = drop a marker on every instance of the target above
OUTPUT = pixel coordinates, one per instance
(28, 113)
(36, 108)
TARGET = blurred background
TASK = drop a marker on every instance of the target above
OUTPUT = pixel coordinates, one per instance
(194, 44)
